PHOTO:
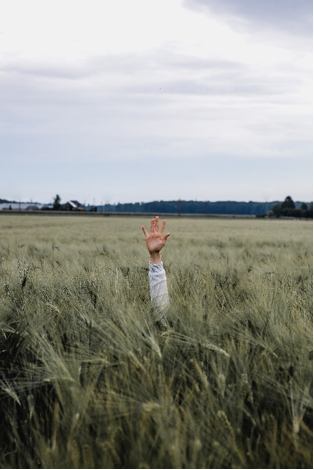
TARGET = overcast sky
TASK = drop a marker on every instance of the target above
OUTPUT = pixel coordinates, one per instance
(141, 100)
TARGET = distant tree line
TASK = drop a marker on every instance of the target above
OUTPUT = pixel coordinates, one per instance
(287, 208)
(192, 207)
(261, 209)
(5, 201)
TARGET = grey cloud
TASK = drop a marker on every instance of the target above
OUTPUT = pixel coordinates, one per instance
(229, 84)
(130, 65)
(116, 78)
(53, 71)
(125, 106)
(292, 16)
(42, 119)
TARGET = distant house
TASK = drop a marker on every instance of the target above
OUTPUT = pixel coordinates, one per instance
(73, 206)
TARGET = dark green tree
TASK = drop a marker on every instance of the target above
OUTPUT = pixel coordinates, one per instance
(288, 203)
(57, 203)
(288, 207)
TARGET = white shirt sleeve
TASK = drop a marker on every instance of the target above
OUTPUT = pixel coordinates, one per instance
(158, 288)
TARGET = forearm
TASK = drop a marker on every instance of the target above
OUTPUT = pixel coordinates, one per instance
(158, 288)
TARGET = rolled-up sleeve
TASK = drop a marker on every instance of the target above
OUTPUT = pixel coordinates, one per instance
(158, 288)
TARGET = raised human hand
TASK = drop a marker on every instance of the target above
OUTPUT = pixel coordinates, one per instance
(155, 240)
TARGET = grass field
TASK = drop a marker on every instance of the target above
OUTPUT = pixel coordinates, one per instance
(89, 381)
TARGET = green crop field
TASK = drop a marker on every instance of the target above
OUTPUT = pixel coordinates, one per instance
(88, 380)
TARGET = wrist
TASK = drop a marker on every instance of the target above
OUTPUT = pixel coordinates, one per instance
(155, 257)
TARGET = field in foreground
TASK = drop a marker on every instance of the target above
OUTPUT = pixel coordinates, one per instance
(89, 381)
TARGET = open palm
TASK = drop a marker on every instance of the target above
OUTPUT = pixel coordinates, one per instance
(155, 240)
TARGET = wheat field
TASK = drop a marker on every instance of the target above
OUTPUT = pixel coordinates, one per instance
(88, 380)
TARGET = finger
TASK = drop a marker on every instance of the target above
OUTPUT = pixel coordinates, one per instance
(164, 238)
(162, 226)
(152, 225)
(157, 224)
(145, 231)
